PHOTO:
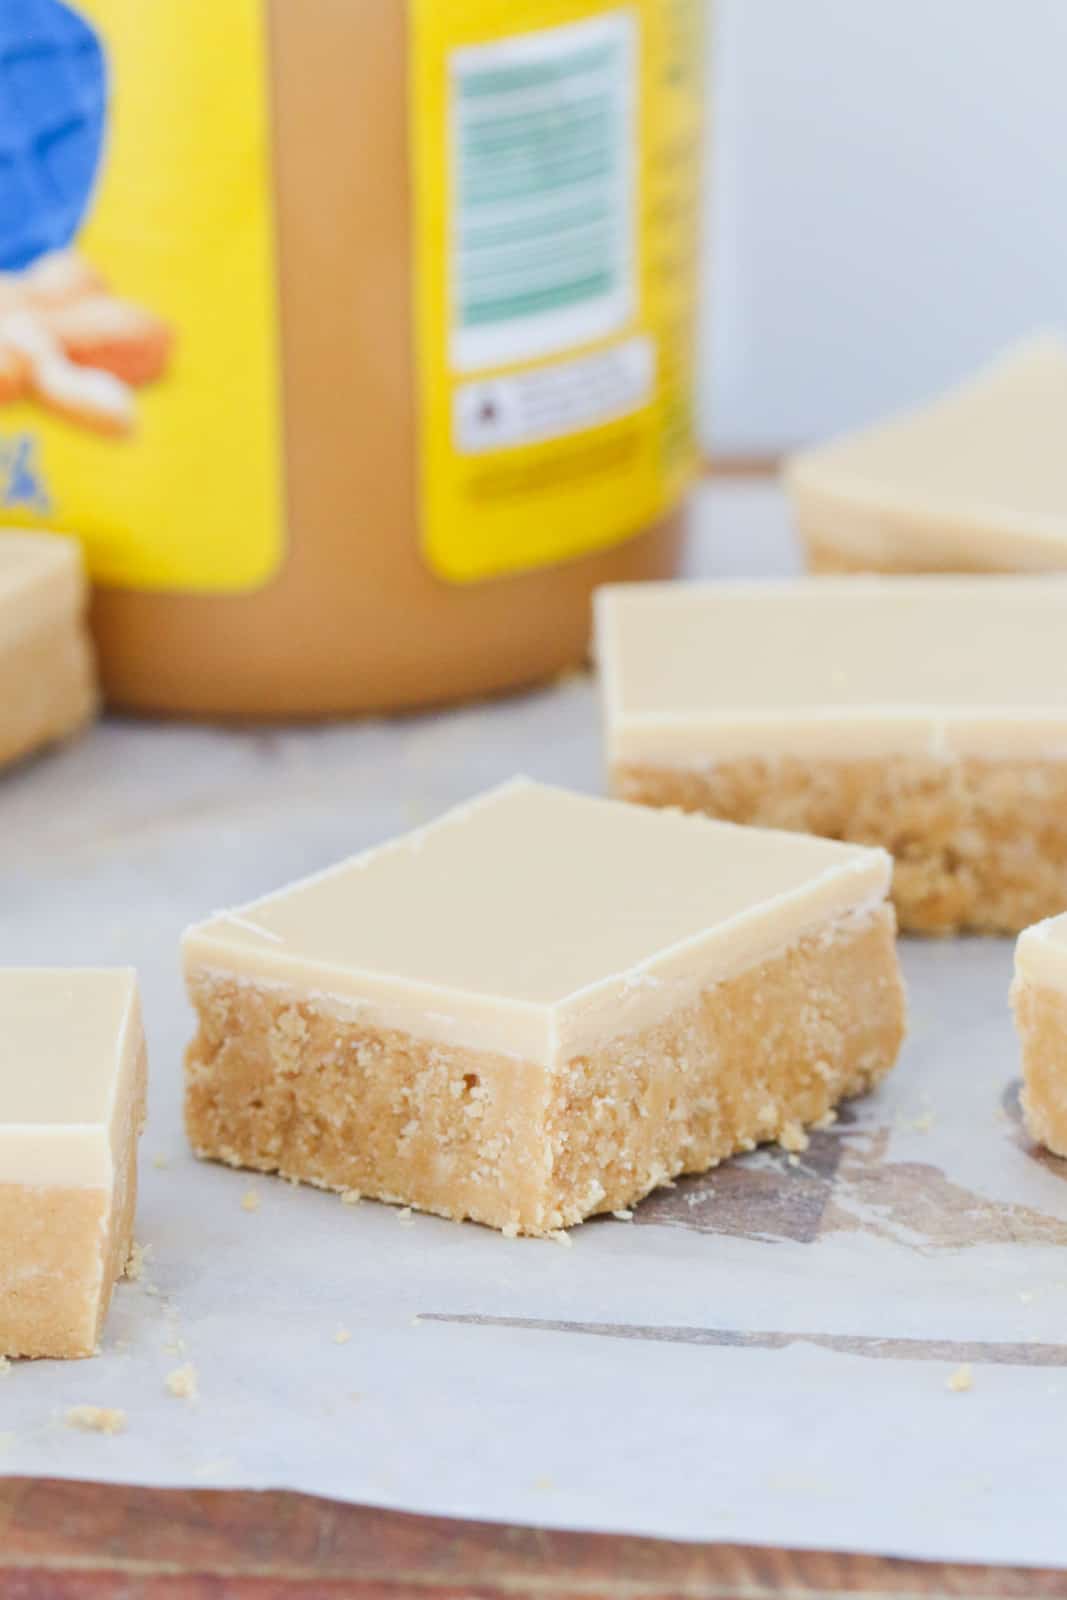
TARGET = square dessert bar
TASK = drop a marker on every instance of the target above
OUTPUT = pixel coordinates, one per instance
(47, 678)
(974, 481)
(925, 715)
(540, 1007)
(72, 1088)
(1039, 999)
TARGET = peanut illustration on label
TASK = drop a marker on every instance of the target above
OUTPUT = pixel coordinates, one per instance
(68, 343)
(73, 347)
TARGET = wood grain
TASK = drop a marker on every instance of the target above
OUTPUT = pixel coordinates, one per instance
(76, 1541)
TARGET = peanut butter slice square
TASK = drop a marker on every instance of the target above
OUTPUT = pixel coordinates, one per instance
(926, 715)
(72, 1088)
(47, 676)
(540, 1007)
(973, 481)
(1039, 1000)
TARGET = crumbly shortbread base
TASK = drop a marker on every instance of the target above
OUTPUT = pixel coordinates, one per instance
(61, 1252)
(1041, 1020)
(826, 560)
(979, 846)
(47, 688)
(281, 1083)
(846, 535)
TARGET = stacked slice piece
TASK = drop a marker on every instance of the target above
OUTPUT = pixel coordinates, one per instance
(925, 715)
(541, 1007)
(47, 680)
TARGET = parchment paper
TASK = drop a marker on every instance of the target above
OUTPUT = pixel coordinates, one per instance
(759, 1356)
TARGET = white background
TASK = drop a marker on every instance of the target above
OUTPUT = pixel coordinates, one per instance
(888, 203)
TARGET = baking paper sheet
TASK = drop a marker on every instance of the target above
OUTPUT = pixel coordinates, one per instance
(758, 1356)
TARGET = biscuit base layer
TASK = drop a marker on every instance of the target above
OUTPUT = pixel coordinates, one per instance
(827, 560)
(61, 1253)
(281, 1083)
(47, 688)
(847, 536)
(979, 846)
(1041, 1019)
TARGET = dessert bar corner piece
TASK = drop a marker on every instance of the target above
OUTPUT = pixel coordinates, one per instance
(47, 676)
(973, 481)
(1039, 1000)
(540, 1007)
(926, 715)
(72, 1089)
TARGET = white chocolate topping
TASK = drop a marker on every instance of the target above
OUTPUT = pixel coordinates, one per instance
(69, 1042)
(42, 580)
(977, 476)
(841, 668)
(533, 921)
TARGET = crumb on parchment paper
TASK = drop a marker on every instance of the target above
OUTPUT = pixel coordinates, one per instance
(96, 1419)
(961, 1380)
(350, 1197)
(250, 1200)
(183, 1382)
(137, 1261)
(342, 1336)
(920, 1124)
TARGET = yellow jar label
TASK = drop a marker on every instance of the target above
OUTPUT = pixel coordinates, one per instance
(556, 151)
(139, 369)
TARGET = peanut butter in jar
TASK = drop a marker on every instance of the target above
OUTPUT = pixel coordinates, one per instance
(390, 308)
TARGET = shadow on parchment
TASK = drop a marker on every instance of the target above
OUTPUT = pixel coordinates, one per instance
(845, 1183)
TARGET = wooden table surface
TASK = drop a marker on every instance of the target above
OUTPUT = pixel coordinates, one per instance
(80, 1541)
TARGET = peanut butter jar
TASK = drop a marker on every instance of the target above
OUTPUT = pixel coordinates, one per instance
(354, 338)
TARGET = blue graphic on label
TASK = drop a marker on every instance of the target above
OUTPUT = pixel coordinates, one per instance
(53, 105)
(22, 482)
